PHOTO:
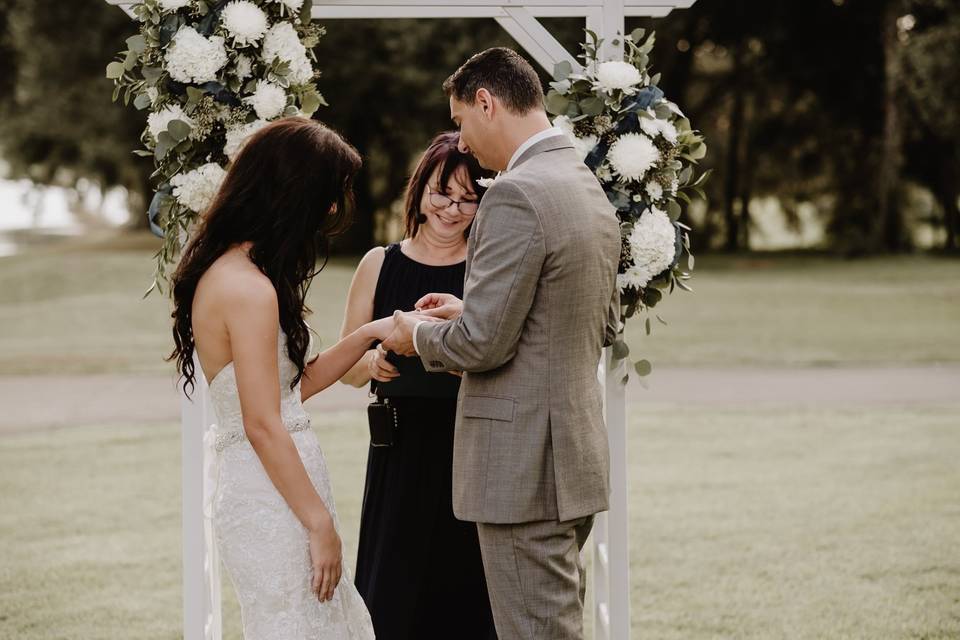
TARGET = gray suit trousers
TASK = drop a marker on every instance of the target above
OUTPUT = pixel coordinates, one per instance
(535, 579)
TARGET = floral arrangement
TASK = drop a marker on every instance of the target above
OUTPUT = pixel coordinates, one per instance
(210, 73)
(644, 152)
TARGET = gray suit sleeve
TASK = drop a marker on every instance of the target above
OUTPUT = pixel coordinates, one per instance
(613, 318)
(499, 291)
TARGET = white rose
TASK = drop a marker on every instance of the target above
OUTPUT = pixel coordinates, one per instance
(632, 155)
(193, 58)
(245, 21)
(616, 75)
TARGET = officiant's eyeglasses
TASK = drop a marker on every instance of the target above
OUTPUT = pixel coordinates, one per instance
(440, 201)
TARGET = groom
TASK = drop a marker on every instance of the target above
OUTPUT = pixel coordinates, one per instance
(531, 460)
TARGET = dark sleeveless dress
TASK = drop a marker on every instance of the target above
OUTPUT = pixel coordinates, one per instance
(418, 568)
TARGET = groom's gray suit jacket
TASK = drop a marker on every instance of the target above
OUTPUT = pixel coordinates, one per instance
(540, 301)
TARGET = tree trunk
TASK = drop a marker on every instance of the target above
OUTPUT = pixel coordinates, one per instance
(732, 169)
(893, 234)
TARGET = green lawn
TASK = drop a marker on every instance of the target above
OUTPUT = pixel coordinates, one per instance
(757, 524)
(79, 310)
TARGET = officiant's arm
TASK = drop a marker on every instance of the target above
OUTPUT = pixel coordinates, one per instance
(499, 291)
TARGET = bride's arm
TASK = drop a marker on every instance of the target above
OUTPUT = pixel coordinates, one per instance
(333, 363)
(358, 311)
(253, 327)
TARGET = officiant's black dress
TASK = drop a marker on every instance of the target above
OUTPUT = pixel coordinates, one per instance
(418, 568)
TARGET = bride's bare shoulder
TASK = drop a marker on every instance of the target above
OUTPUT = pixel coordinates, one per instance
(234, 281)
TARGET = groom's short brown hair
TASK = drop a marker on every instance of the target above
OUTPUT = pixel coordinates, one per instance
(502, 72)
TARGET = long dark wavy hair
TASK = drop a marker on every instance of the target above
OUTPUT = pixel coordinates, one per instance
(443, 153)
(287, 193)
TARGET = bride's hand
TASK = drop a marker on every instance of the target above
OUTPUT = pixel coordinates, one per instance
(380, 329)
(326, 558)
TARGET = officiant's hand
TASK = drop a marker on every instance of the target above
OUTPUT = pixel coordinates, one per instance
(445, 306)
(380, 369)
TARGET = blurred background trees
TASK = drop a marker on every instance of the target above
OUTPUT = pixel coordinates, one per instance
(832, 124)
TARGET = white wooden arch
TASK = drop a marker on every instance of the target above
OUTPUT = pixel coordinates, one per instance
(610, 537)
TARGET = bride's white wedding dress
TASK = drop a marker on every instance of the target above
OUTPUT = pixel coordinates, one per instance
(262, 544)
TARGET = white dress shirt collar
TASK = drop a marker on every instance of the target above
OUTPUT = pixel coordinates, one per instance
(532, 140)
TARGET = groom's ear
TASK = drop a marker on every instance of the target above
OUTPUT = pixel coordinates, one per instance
(484, 100)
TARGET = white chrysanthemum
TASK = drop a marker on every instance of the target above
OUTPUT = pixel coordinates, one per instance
(159, 121)
(654, 127)
(193, 58)
(632, 155)
(652, 244)
(268, 100)
(195, 190)
(245, 21)
(237, 136)
(616, 74)
(654, 190)
(173, 5)
(244, 67)
(583, 145)
(283, 42)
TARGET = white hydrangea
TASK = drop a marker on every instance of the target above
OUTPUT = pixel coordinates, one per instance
(268, 100)
(159, 121)
(283, 42)
(173, 5)
(654, 190)
(652, 244)
(616, 74)
(654, 127)
(193, 58)
(237, 136)
(632, 155)
(583, 145)
(245, 21)
(196, 189)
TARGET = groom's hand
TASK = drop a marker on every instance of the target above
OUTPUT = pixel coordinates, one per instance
(440, 305)
(401, 340)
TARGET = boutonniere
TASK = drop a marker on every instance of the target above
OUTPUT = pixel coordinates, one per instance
(486, 183)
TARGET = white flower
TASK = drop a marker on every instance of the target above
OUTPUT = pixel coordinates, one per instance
(583, 145)
(674, 184)
(655, 126)
(159, 121)
(268, 100)
(616, 74)
(244, 67)
(193, 58)
(632, 155)
(283, 42)
(603, 173)
(652, 244)
(486, 183)
(196, 189)
(237, 136)
(654, 190)
(245, 21)
(173, 5)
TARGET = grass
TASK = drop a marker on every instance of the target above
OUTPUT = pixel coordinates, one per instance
(745, 523)
(79, 310)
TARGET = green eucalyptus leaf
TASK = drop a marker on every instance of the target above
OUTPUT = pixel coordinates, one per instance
(178, 130)
(152, 75)
(136, 44)
(592, 106)
(637, 34)
(142, 101)
(620, 350)
(556, 103)
(115, 71)
(562, 70)
(643, 367)
(673, 210)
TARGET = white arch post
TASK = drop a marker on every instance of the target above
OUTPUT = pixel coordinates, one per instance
(611, 552)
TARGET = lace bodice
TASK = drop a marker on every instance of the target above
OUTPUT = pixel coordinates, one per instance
(226, 399)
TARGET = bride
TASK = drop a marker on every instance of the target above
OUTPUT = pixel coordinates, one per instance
(239, 303)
